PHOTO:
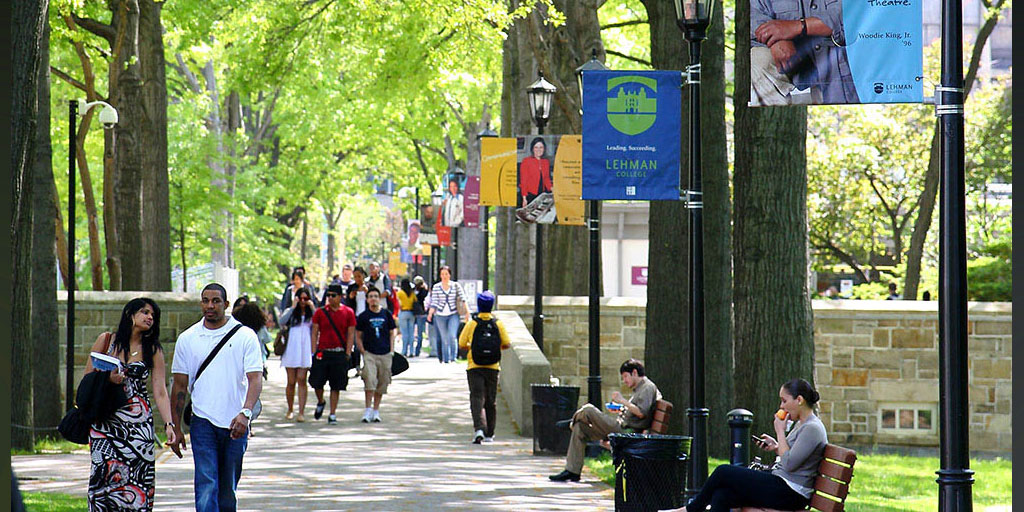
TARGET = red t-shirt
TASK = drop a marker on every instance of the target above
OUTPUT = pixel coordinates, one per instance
(343, 318)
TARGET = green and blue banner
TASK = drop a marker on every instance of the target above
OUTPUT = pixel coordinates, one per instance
(631, 135)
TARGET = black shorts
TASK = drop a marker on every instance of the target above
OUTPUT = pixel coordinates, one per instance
(332, 368)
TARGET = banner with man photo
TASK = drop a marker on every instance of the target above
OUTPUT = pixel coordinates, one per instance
(818, 52)
(549, 179)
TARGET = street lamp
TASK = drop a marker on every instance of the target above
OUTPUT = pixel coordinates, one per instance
(594, 225)
(487, 132)
(693, 18)
(108, 118)
(539, 95)
(459, 175)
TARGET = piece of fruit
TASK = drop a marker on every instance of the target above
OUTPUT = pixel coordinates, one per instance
(781, 414)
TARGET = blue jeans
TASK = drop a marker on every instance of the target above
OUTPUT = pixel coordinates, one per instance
(407, 325)
(421, 326)
(218, 461)
(447, 327)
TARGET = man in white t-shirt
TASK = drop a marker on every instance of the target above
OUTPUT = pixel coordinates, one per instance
(222, 398)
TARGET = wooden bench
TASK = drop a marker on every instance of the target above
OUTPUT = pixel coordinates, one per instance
(662, 413)
(832, 484)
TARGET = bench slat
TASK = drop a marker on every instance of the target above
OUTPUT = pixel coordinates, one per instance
(825, 505)
(844, 455)
(831, 469)
(831, 487)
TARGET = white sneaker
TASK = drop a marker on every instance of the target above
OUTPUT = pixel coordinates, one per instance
(376, 416)
(478, 437)
(367, 415)
(489, 439)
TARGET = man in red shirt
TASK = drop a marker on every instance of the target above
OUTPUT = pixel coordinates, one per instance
(334, 328)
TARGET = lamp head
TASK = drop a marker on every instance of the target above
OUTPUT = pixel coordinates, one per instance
(693, 17)
(539, 95)
(591, 65)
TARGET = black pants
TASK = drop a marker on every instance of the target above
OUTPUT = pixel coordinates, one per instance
(735, 486)
(483, 389)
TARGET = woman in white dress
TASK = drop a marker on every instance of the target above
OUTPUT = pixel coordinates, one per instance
(298, 353)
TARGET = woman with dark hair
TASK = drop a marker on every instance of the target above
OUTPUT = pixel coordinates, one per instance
(447, 305)
(407, 317)
(790, 483)
(534, 172)
(122, 445)
(298, 352)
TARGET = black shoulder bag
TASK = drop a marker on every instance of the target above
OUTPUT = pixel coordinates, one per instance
(186, 415)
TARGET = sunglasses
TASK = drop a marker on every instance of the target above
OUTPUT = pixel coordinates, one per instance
(329, 295)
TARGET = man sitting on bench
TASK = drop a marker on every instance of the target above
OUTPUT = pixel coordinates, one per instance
(590, 424)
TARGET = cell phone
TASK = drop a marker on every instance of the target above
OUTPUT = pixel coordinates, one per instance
(757, 439)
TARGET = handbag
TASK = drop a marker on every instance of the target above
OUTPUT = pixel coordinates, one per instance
(186, 415)
(399, 363)
(281, 341)
(73, 428)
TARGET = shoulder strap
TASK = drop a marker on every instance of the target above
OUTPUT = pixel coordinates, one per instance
(216, 349)
(335, 327)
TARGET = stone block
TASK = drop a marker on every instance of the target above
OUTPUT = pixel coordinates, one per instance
(883, 374)
(859, 340)
(842, 427)
(905, 390)
(860, 427)
(581, 329)
(978, 395)
(911, 322)
(822, 375)
(633, 337)
(978, 345)
(860, 408)
(629, 321)
(909, 368)
(928, 361)
(849, 377)
(993, 327)
(880, 338)
(842, 360)
(610, 340)
(927, 374)
(850, 394)
(888, 322)
(875, 359)
(913, 338)
(821, 355)
(991, 368)
(611, 325)
(834, 325)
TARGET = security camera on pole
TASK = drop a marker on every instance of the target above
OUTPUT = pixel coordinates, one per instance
(108, 118)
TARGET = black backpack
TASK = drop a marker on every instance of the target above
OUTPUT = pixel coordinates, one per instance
(486, 345)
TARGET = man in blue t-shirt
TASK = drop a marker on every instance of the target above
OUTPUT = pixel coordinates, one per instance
(375, 337)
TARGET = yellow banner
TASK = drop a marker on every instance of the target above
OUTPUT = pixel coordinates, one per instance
(395, 264)
(568, 180)
(498, 171)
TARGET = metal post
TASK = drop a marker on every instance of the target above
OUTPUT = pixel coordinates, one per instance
(538, 260)
(487, 250)
(455, 254)
(69, 370)
(594, 380)
(955, 477)
(697, 413)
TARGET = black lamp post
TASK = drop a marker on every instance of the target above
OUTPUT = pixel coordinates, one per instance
(539, 96)
(459, 174)
(693, 18)
(594, 225)
(955, 476)
(108, 118)
(435, 265)
(487, 132)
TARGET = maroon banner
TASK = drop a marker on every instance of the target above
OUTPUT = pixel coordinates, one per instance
(444, 236)
(472, 206)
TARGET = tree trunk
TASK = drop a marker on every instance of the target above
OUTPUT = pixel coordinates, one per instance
(27, 20)
(513, 240)
(126, 94)
(718, 355)
(667, 342)
(95, 263)
(156, 221)
(110, 235)
(773, 320)
(46, 389)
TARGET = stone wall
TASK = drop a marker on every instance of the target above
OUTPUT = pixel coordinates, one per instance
(876, 364)
(521, 366)
(99, 312)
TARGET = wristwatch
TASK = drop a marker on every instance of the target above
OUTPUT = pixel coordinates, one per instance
(169, 424)
(247, 413)
(803, 22)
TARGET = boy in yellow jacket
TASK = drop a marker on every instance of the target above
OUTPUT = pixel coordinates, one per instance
(483, 338)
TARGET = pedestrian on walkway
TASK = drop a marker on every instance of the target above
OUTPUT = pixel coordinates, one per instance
(483, 339)
(122, 476)
(288, 297)
(359, 276)
(407, 317)
(375, 336)
(222, 401)
(298, 352)
(379, 280)
(419, 310)
(447, 307)
(333, 331)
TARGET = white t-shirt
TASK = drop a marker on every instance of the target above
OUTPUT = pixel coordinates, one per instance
(220, 394)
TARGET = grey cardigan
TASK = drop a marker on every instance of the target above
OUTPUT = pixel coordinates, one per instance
(799, 466)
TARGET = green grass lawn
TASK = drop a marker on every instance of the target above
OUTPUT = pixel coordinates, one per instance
(53, 502)
(50, 446)
(891, 483)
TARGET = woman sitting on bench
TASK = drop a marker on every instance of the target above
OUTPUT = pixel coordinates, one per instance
(790, 484)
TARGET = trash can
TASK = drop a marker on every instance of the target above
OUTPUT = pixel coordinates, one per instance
(650, 471)
(552, 404)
